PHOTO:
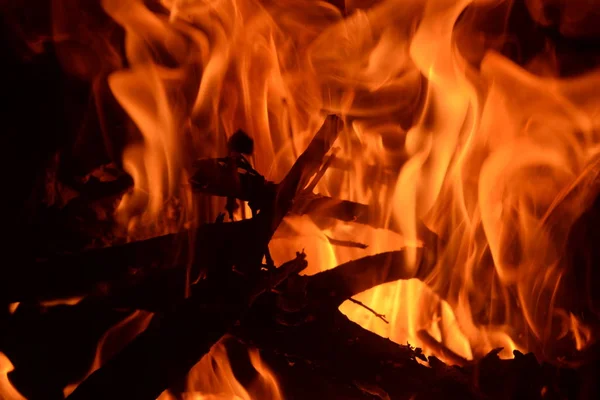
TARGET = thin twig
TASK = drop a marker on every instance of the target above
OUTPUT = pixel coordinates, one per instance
(360, 303)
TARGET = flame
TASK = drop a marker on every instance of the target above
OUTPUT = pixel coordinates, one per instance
(212, 378)
(118, 335)
(7, 391)
(69, 301)
(12, 307)
(442, 129)
(581, 333)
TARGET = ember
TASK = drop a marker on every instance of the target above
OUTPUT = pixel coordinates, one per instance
(232, 198)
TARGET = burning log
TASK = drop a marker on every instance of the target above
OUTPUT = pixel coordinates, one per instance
(157, 290)
(309, 328)
(333, 345)
(69, 275)
(305, 332)
(175, 341)
(178, 338)
(330, 344)
(341, 283)
(179, 75)
(310, 304)
(329, 288)
(316, 317)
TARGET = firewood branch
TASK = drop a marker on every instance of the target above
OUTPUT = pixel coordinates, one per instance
(178, 338)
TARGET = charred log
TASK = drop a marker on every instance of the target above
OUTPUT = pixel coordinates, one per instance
(164, 353)
(211, 245)
(177, 339)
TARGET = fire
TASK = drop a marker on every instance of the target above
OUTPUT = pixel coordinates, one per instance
(480, 163)
(113, 340)
(442, 130)
(213, 378)
(7, 391)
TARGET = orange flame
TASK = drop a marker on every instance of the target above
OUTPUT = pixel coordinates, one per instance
(118, 335)
(7, 390)
(213, 379)
(441, 130)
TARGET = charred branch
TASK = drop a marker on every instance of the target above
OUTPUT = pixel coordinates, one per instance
(178, 338)
(333, 345)
(214, 247)
(341, 283)
(328, 343)
(173, 343)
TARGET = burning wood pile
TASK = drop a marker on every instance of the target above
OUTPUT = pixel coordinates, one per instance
(387, 191)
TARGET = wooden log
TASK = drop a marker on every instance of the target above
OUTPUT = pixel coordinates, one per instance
(78, 274)
(158, 290)
(330, 344)
(177, 339)
(342, 350)
(489, 378)
(82, 273)
(346, 280)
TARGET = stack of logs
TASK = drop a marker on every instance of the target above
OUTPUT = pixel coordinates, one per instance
(292, 319)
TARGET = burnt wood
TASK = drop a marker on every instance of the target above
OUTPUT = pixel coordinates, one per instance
(179, 337)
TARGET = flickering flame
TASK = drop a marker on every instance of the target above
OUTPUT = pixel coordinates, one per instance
(7, 391)
(12, 307)
(441, 129)
(69, 301)
(116, 337)
(212, 378)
